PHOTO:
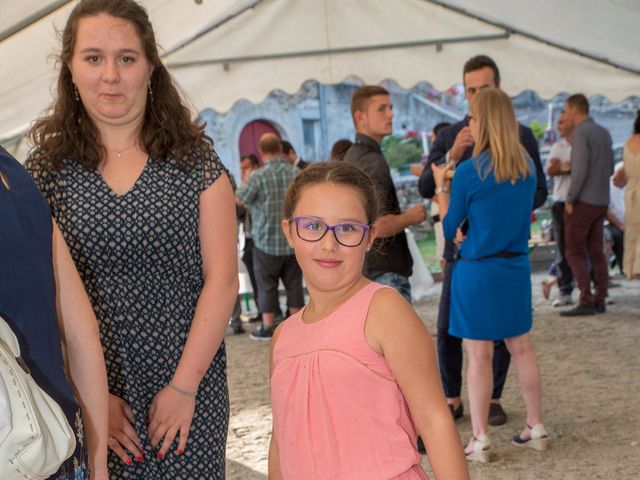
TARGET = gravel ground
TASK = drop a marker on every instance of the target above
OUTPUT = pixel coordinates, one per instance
(591, 392)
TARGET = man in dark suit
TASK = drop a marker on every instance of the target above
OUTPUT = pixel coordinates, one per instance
(291, 156)
(455, 144)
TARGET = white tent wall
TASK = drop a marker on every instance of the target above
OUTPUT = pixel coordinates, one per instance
(282, 43)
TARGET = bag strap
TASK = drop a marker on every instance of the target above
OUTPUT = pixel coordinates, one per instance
(9, 338)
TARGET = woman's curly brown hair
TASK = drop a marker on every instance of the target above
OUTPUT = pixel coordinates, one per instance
(68, 132)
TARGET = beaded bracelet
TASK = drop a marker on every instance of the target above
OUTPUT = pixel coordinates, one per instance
(183, 392)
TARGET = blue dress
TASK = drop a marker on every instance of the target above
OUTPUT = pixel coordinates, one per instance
(490, 296)
(27, 295)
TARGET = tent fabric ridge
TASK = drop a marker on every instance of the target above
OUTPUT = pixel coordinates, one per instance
(31, 19)
(511, 29)
(248, 5)
(438, 42)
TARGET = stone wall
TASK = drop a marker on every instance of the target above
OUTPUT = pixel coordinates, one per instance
(326, 107)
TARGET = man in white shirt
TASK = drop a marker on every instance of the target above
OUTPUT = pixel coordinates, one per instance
(559, 167)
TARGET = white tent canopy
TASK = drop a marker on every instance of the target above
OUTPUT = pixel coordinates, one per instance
(27, 57)
(281, 43)
(225, 50)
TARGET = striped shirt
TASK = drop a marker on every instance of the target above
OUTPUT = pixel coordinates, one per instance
(264, 193)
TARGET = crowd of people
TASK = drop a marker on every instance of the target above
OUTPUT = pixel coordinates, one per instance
(123, 249)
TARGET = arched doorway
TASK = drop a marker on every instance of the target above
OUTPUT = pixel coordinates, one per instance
(250, 136)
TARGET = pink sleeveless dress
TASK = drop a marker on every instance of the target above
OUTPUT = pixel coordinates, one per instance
(338, 412)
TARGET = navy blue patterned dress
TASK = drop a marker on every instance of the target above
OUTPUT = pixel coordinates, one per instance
(139, 257)
(28, 292)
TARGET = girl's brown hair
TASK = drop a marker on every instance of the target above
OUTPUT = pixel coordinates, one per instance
(68, 131)
(338, 173)
(498, 133)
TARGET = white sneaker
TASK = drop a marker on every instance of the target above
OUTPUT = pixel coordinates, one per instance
(562, 301)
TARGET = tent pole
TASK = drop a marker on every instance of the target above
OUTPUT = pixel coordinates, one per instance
(31, 19)
(333, 51)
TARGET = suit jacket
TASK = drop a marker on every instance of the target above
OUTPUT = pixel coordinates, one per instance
(445, 141)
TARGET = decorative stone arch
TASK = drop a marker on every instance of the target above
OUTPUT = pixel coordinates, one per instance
(250, 136)
(242, 115)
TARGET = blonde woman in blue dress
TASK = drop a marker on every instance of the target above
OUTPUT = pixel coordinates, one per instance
(491, 286)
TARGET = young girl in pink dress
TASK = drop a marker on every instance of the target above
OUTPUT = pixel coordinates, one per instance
(353, 374)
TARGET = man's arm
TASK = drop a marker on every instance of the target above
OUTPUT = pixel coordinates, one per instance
(530, 144)
(555, 168)
(247, 193)
(614, 220)
(426, 185)
(392, 224)
(388, 224)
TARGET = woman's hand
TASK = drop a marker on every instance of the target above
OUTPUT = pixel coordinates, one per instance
(440, 174)
(122, 435)
(619, 178)
(460, 237)
(170, 414)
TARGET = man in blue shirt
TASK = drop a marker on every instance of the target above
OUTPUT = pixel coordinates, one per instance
(455, 144)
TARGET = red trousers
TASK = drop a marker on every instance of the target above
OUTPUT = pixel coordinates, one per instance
(583, 245)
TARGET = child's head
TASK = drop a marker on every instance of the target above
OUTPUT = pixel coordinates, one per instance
(337, 173)
(329, 209)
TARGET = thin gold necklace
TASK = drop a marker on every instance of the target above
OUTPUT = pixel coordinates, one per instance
(120, 152)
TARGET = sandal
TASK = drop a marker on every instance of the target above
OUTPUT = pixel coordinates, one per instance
(481, 451)
(538, 441)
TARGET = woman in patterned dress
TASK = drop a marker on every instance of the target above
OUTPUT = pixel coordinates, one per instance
(148, 212)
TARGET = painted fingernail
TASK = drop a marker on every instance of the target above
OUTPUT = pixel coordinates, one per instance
(128, 461)
(139, 459)
(160, 456)
(180, 451)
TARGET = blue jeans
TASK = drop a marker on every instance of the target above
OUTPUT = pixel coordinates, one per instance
(396, 281)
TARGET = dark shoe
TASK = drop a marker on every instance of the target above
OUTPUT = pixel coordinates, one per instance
(600, 308)
(497, 415)
(421, 448)
(457, 412)
(237, 328)
(262, 334)
(579, 311)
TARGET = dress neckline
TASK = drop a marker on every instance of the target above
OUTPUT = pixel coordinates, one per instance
(338, 309)
(138, 180)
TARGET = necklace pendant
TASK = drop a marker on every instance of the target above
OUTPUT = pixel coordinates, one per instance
(119, 155)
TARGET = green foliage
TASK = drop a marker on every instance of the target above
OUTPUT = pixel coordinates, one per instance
(399, 151)
(538, 129)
